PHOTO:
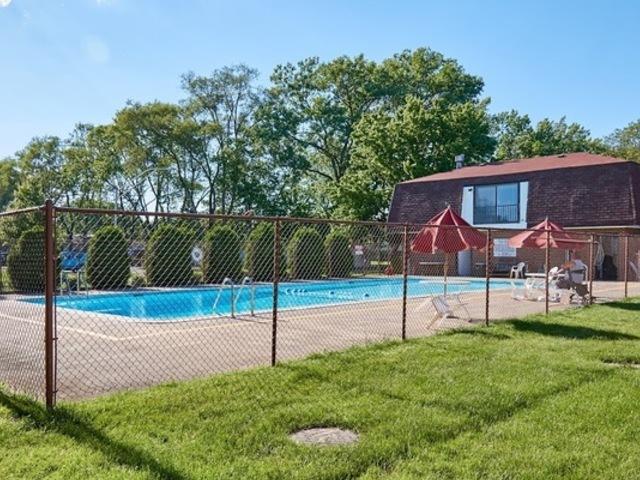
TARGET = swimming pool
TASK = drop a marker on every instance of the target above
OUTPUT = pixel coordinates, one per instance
(187, 304)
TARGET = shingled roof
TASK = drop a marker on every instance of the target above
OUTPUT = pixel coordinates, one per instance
(575, 190)
(523, 165)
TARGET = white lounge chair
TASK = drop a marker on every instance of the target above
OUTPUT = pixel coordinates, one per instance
(532, 289)
(518, 292)
(447, 307)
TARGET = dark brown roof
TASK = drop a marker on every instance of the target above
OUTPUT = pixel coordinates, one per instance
(578, 190)
(523, 165)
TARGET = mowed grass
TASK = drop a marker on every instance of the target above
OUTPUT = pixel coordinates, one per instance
(527, 399)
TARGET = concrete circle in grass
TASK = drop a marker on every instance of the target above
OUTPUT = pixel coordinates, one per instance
(324, 436)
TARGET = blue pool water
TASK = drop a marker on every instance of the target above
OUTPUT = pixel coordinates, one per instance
(185, 304)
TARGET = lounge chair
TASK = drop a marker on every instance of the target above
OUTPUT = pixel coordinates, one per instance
(447, 307)
(528, 291)
(72, 262)
(517, 271)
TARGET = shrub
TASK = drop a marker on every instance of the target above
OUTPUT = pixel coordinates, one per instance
(339, 254)
(167, 259)
(25, 262)
(259, 252)
(305, 254)
(108, 261)
(222, 254)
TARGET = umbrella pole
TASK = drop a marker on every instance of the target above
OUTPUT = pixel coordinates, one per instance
(446, 267)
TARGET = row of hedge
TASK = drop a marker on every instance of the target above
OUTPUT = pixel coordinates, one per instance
(168, 256)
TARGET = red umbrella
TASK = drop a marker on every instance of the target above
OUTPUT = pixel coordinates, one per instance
(449, 233)
(537, 238)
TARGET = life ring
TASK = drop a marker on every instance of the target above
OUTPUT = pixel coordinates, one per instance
(197, 254)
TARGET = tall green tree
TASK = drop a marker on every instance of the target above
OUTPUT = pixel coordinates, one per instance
(625, 142)
(414, 141)
(517, 137)
(222, 108)
(8, 182)
(313, 109)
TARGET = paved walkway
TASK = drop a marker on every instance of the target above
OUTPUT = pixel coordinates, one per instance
(98, 354)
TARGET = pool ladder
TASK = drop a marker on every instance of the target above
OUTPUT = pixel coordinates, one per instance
(228, 282)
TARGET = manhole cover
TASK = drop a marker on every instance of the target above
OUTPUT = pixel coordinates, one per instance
(324, 436)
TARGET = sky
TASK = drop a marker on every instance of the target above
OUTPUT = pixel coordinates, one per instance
(64, 62)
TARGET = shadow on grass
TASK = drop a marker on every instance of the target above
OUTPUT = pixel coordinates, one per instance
(630, 306)
(569, 331)
(69, 424)
(478, 332)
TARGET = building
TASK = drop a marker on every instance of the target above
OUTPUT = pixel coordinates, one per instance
(585, 192)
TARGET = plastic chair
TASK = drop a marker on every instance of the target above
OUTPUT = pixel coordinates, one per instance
(517, 271)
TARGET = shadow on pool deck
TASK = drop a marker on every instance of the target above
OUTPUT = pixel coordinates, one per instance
(69, 424)
(569, 331)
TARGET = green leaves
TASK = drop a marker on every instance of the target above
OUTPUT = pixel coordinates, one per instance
(518, 138)
(323, 138)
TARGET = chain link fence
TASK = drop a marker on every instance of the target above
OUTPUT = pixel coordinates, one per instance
(22, 323)
(100, 301)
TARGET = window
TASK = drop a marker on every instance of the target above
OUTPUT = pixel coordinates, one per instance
(496, 203)
(501, 248)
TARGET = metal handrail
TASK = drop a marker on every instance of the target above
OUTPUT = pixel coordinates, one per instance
(252, 299)
(225, 282)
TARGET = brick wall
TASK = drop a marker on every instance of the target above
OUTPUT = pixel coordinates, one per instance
(603, 195)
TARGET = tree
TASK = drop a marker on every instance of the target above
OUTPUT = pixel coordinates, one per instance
(414, 141)
(339, 255)
(313, 109)
(167, 259)
(8, 182)
(625, 142)
(157, 140)
(221, 107)
(25, 262)
(41, 177)
(305, 254)
(518, 138)
(108, 263)
(259, 252)
(222, 255)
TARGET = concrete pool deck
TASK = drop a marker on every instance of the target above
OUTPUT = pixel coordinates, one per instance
(99, 353)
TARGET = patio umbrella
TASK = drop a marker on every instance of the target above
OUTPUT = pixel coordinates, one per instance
(449, 233)
(537, 238)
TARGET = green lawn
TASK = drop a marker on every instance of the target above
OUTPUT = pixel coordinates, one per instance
(527, 399)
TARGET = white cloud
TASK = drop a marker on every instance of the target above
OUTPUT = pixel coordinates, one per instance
(96, 50)
(4, 3)
(103, 2)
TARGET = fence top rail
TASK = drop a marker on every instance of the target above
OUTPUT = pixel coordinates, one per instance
(414, 227)
(21, 210)
(218, 216)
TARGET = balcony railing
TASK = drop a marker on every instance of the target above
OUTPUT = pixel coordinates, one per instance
(496, 214)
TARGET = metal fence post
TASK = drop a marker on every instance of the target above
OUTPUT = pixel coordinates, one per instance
(276, 282)
(547, 262)
(487, 276)
(591, 265)
(49, 291)
(405, 275)
(626, 265)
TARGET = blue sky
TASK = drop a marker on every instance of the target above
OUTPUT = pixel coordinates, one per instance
(63, 62)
